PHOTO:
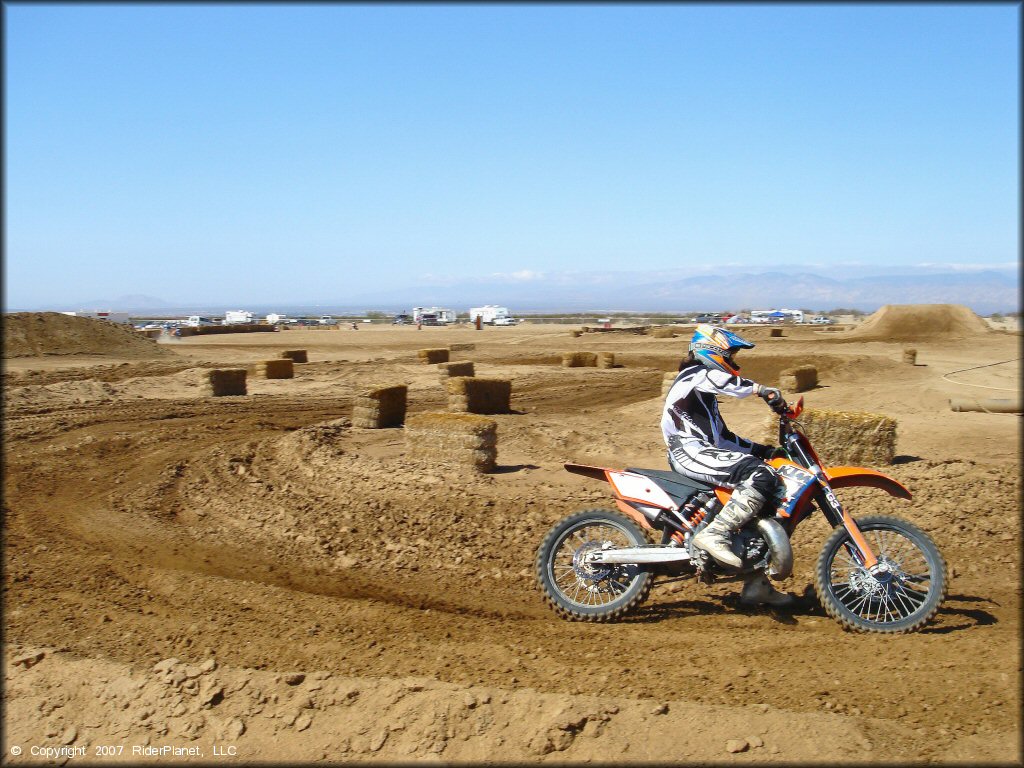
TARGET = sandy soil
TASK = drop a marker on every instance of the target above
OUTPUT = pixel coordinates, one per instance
(252, 575)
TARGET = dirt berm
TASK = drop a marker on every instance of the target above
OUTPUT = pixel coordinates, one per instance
(31, 334)
(918, 322)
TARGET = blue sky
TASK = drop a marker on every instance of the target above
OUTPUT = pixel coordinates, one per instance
(259, 153)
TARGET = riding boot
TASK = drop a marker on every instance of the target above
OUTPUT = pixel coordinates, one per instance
(737, 512)
(758, 591)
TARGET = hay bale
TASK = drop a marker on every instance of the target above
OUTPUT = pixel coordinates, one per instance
(462, 347)
(447, 370)
(222, 382)
(380, 407)
(798, 379)
(296, 355)
(845, 437)
(579, 360)
(910, 356)
(433, 355)
(276, 369)
(775, 333)
(662, 332)
(467, 394)
(605, 359)
(453, 439)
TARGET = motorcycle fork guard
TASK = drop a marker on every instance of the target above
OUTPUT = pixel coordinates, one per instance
(866, 553)
(837, 516)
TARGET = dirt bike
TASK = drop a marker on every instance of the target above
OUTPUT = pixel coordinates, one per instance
(874, 574)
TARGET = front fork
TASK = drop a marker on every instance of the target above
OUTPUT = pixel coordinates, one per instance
(829, 504)
(836, 516)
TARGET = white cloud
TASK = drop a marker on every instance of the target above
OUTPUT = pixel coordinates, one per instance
(968, 267)
(522, 276)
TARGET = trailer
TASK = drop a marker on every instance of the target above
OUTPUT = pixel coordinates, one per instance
(433, 315)
(489, 314)
(237, 317)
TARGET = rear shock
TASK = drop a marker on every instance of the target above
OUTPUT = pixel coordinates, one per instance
(694, 513)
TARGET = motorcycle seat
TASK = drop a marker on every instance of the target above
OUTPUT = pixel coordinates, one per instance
(678, 487)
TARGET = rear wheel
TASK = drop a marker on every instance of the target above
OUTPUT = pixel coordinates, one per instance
(581, 591)
(904, 595)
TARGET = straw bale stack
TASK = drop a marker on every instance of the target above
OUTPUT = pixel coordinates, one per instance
(798, 379)
(846, 437)
(222, 382)
(910, 356)
(380, 407)
(468, 394)
(462, 347)
(296, 355)
(453, 438)
(605, 359)
(775, 333)
(284, 368)
(662, 332)
(434, 355)
(579, 360)
(465, 368)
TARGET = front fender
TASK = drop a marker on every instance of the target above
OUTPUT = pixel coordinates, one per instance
(850, 477)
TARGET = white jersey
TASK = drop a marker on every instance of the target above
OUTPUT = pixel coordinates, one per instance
(691, 410)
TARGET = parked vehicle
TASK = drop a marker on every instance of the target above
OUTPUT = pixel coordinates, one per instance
(822, 320)
(505, 321)
(433, 315)
(195, 321)
(489, 314)
(238, 317)
(327, 320)
(402, 320)
(874, 574)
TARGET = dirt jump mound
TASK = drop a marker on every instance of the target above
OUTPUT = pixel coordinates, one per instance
(918, 322)
(33, 334)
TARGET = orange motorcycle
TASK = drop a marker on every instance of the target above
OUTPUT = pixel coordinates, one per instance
(874, 574)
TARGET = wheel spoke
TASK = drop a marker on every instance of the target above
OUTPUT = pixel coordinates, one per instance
(890, 597)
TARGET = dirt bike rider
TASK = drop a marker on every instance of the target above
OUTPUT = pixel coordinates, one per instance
(703, 448)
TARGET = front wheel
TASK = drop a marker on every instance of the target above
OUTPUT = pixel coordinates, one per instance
(582, 591)
(901, 596)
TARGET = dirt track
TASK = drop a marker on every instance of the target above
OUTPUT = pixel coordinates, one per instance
(145, 522)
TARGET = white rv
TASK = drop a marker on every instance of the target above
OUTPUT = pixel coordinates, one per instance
(237, 317)
(489, 314)
(432, 315)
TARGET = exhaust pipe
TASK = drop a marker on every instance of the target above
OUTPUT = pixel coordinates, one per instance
(780, 563)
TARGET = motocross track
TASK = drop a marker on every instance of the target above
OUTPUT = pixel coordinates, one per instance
(255, 574)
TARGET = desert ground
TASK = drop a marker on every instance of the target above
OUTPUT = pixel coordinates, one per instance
(250, 578)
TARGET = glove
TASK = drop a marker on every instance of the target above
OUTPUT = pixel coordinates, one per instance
(768, 452)
(773, 397)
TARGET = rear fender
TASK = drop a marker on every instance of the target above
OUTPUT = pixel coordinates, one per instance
(649, 495)
(852, 477)
(596, 473)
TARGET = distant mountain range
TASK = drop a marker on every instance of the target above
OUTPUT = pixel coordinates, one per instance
(984, 291)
